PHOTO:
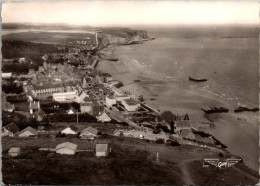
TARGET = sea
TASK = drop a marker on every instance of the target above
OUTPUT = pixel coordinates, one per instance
(227, 56)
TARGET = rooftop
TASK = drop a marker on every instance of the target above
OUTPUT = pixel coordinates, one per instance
(89, 130)
(101, 147)
(68, 145)
(12, 127)
(14, 149)
(33, 131)
(130, 102)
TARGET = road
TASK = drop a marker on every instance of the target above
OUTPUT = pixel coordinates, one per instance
(121, 118)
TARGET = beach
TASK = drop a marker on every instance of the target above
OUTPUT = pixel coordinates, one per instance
(172, 91)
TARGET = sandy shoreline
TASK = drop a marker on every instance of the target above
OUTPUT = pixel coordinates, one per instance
(241, 136)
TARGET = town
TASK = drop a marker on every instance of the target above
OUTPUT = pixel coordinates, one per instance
(67, 109)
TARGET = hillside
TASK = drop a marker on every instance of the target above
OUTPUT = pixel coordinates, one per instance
(120, 36)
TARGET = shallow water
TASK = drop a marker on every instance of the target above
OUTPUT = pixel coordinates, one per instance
(229, 64)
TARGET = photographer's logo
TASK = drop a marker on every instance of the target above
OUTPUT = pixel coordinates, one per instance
(217, 163)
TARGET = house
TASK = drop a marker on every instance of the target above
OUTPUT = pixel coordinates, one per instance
(130, 105)
(70, 130)
(86, 108)
(89, 133)
(28, 132)
(10, 130)
(103, 117)
(65, 96)
(66, 148)
(39, 115)
(110, 101)
(14, 151)
(97, 110)
(71, 111)
(6, 75)
(101, 150)
(81, 97)
(7, 106)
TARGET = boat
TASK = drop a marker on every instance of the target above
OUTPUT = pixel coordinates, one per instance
(197, 79)
(214, 109)
(241, 109)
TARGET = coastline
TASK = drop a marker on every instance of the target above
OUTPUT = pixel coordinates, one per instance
(240, 136)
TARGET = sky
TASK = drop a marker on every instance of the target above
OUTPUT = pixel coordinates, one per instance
(131, 12)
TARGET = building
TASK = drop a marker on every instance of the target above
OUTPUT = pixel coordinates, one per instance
(34, 107)
(10, 130)
(89, 133)
(181, 123)
(71, 111)
(66, 148)
(47, 89)
(81, 97)
(70, 130)
(7, 106)
(28, 132)
(122, 97)
(101, 150)
(186, 133)
(86, 108)
(39, 115)
(103, 117)
(65, 96)
(6, 75)
(97, 110)
(31, 71)
(110, 101)
(14, 151)
(130, 105)
(84, 83)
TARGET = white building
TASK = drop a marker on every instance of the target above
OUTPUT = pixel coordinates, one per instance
(70, 130)
(6, 75)
(14, 151)
(89, 133)
(103, 117)
(65, 96)
(101, 150)
(122, 97)
(110, 101)
(66, 148)
(27, 132)
(130, 105)
(81, 97)
(117, 91)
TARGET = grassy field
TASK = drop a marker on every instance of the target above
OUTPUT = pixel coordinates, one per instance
(132, 161)
(49, 37)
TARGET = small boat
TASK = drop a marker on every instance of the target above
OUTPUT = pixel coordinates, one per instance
(152, 99)
(197, 79)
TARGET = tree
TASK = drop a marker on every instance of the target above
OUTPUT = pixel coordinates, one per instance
(167, 116)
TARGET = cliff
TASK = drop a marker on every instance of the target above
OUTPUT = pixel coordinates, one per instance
(120, 37)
